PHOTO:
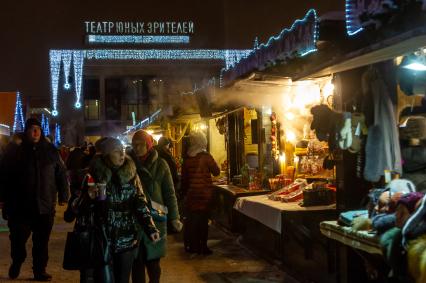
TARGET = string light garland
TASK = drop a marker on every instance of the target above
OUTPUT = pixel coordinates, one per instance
(18, 123)
(353, 26)
(137, 39)
(66, 61)
(144, 123)
(78, 59)
(167, 54)
(279, 47)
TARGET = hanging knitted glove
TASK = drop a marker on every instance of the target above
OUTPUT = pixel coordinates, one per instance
(345, 137)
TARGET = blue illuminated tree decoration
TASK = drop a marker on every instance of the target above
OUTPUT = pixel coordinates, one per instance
(46, 127)
(57, 141)
(42, 121)
(18, 123)
(78, 58)
(66, 61)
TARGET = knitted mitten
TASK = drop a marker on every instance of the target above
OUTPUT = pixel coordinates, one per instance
(345, 138)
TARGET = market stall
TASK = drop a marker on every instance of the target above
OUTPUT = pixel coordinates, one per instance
(379, 82)
(295, 165)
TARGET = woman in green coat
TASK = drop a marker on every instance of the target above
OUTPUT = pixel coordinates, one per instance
(158, 187)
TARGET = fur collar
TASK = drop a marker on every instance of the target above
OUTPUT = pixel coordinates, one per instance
(101, 172)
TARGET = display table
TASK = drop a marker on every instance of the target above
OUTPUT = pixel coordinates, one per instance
(361, 240)
(289, 233)
(225, 197)
(269, 212)
(359, 253)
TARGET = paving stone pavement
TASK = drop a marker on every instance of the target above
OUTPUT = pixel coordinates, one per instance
(229, 263)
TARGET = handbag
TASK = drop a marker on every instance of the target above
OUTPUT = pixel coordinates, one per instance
(158, 211)
(72, 252)
(86, 247)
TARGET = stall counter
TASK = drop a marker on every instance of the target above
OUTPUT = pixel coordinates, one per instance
(225, 197)
(361, 240)
(269, 212)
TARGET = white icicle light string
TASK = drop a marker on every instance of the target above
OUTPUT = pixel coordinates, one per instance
(230, 57)
(55, 68)
(78, 59)
(66, 61)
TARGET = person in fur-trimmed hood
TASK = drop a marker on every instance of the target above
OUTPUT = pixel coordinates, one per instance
(118, 211)
(158, 186)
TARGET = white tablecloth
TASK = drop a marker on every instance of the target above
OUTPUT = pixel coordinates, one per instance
(269, 212)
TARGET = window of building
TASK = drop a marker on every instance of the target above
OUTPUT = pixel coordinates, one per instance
(91, 109)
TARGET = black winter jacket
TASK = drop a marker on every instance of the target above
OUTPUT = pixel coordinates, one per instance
(33, 178)
(124, 209)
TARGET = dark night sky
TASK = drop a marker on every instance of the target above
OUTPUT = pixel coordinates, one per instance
(28, 29)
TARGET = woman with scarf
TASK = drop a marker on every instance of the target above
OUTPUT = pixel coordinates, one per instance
(197, 187)
(112, 205)
(158, 186)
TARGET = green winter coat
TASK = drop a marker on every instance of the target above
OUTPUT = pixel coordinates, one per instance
(158, 186)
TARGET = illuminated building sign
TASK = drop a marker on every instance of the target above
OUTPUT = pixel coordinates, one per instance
(299, 40)
(109, 27)
(137, 39)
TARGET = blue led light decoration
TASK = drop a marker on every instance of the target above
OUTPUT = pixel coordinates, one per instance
(78, 59)
(137, 39)
(18, 123)
(66, 61)
(256, 43)
(353, 25)
(300, 39)
(57, 134)
(55, 68)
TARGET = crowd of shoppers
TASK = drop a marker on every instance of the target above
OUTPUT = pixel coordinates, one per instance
(122, 201)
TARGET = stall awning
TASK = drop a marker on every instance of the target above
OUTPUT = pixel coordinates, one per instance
(381, 51)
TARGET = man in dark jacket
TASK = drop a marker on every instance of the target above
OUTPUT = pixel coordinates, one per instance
(33, 175)
(163, 150)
